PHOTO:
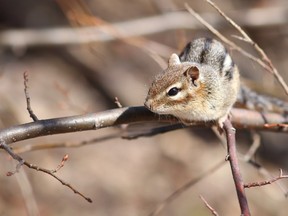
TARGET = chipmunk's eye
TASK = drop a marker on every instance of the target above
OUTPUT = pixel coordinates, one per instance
(173, 91)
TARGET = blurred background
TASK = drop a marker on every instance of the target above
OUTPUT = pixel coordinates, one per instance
(74, 71)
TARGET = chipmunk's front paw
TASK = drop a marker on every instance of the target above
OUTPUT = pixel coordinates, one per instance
(220, 122)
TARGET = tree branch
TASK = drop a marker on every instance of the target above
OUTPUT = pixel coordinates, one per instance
(264, 58)
(22, 162)
(262, 183)
(94, 121)
(232, 156)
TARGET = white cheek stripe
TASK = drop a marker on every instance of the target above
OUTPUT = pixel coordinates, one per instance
(179, 96)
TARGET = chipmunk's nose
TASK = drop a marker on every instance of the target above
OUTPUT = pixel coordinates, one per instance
(148, 104)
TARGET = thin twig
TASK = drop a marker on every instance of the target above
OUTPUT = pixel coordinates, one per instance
(251, 152)
(248, 156)
(267, 174)
(280, 126)
(261, 52)
(267, 65)
(225, 39)
(30, 111)
(51, 172)
(21, 162)
(232, 156)
(184, 188)
(117, 102)
(213, 211)
(64, 159)
(270, 181)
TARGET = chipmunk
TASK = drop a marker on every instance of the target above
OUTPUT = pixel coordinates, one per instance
(201, 84)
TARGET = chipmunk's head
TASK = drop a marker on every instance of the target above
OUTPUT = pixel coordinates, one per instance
(173, 91)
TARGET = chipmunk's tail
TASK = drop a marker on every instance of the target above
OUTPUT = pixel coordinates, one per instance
(252, 100)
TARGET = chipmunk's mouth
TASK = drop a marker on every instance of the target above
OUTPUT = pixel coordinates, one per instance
(154, 108)
(148, 104)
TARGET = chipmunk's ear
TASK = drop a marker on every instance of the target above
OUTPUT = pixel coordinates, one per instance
(174, 60)
(193, 74)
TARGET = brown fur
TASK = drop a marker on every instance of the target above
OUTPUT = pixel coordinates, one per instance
(207, 95)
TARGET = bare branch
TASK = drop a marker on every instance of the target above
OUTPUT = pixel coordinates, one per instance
(261, 52)
(124, 134)
(232, 156)
(22, 162)
(279, 126)
(262, 183)
(51, 172)
(128, 115)
(225, 39)
(268, 175)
